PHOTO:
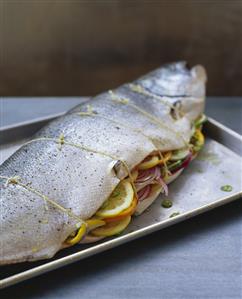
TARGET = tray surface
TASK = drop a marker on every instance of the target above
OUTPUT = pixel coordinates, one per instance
(197, 190)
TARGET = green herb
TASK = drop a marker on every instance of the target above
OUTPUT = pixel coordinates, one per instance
(174, 165)
(197, 148)
(200, 121)
(174, 214)
(115, 193)
(226, 188)
(166, 203)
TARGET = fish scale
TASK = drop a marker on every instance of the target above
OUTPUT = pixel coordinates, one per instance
(123, 144)
(79, 179)
(163, 139)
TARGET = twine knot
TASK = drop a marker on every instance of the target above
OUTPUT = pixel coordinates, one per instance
(61, 141)
(118, 99)
(88, 112)
(13, 180)
(136, 88)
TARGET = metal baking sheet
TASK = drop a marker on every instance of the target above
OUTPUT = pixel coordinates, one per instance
(196, 191)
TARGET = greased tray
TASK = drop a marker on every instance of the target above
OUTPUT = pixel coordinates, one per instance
(196, 191)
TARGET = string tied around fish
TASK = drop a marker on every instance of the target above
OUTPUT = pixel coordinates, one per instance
(17, 180)
(89, 112)
(61, 141)
(123, 100)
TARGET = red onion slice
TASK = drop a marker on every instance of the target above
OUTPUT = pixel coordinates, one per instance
(152, 175)
(163, 184)
(143, 185)
(144, 193)
(144, 175)
(146, 179)
(157, 173)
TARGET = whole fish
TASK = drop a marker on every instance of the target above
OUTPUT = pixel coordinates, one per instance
(64, 175)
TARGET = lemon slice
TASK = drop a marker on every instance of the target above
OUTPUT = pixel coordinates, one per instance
(85, 228)
(199, 140)
(93, 223)
(200, 137)
(153, 161)
(127, 212)
(120, 200)
(112, 228)
(77, 238)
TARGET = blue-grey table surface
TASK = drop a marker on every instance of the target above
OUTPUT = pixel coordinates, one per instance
(199, 258)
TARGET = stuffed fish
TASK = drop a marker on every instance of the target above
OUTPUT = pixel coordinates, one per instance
(86, 174)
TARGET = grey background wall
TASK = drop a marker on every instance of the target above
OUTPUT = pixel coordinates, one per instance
(84, 47)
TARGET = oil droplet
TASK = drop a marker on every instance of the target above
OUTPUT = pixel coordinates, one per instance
(226, 188)
(166, 203)
(174, 214)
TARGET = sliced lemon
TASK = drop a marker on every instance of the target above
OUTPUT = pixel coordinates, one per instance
(77, 238)
(94, 223)
(89, 225)
(120, 200)
(199, 140)
(125, 213)
(153, 161)
(200, 137)
(112, 228)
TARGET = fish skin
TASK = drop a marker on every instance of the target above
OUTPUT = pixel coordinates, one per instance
(176, 80)
(187, 87)
(31, 232)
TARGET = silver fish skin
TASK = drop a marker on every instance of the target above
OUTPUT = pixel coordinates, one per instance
(98, 140)
(164, 88)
